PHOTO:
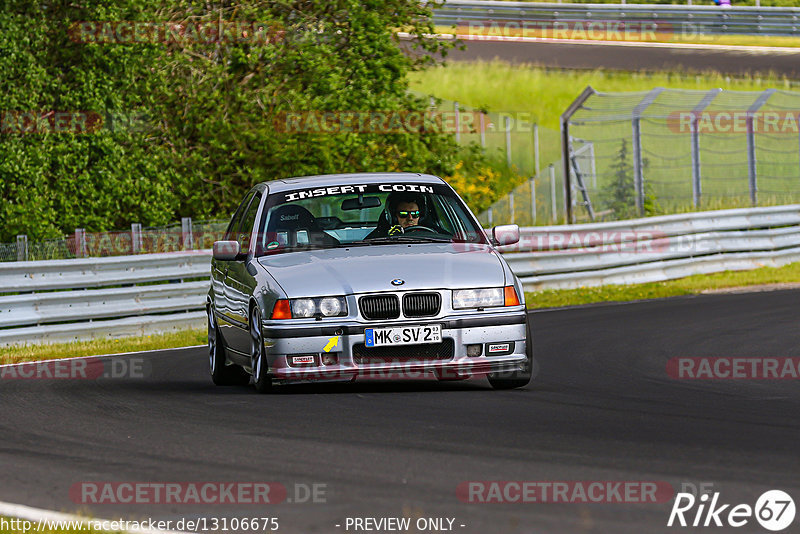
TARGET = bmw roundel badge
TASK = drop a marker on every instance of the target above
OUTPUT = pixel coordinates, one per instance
(398, 282)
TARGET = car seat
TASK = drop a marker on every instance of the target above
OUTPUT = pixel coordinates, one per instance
(291, 225)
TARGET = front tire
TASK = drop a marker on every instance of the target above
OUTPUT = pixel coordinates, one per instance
(222, 374)
(517, 379)
(258, 355)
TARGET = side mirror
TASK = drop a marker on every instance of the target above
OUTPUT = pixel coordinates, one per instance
(226, 250)
(507, 234)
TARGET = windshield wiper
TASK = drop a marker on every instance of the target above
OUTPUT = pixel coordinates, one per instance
(405, 239)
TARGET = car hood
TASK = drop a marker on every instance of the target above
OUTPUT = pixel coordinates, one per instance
(367, 269)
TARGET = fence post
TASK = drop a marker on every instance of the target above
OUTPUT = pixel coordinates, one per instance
(533, 200)
(695, 132)
(554, 204)
(566, 150)
(751, 145)
(638, 174)
(136, 237)
(483, 129)
(491, 219)
(508, 140)
(458, 122)
(186, 232)
(536, 150)
(80, 243)
(511, 206)
(22, 247)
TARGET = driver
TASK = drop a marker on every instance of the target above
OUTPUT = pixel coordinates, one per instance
(405, 212)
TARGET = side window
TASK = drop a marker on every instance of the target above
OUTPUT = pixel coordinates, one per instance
(249, 219)
(445, 215)
(230, 233)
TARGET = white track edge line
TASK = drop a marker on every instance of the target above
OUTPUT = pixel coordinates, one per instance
(97, 356)
(21, 511)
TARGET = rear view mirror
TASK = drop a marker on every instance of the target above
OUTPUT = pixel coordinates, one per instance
(360, 203)
(226, 250)
(507, 234)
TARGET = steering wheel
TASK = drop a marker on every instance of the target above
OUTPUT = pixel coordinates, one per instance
(417, 228)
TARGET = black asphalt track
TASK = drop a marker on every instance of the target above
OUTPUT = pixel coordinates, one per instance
(634, 58)
(603, 408)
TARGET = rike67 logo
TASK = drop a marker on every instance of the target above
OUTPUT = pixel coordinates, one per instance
(774, 510)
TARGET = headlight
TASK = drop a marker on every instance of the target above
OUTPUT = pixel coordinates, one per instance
(477, 298)
(303, 308)
(330, 307)
(485, 297)
(316, 307)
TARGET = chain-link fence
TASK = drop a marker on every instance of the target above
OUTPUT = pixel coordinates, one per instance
(671, 150)
(514, 140)
(185, 235)
(666, 151)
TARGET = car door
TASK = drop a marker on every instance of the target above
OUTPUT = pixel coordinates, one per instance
(219, 271)
(240, 281)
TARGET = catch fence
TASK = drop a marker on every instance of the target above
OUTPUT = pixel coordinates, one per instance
(667, 151)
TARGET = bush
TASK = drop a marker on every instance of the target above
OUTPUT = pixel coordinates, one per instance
(211, 107)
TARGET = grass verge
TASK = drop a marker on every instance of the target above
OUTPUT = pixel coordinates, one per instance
(171, 340)
(691, 285)
(546, 93)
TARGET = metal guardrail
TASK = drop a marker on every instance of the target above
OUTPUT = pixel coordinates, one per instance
(655, 249)
(32, 309)
(68, 300)
(687, 20)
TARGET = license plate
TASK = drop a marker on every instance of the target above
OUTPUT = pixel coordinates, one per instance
(403, 335)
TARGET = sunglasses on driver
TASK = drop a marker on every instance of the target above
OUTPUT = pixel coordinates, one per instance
(405, 214)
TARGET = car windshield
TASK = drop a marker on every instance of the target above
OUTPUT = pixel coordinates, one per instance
(364, 215)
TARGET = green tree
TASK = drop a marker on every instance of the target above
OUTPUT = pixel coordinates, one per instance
(212, 106)
(620, 194)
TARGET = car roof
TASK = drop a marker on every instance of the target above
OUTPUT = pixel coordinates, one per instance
(323, 180)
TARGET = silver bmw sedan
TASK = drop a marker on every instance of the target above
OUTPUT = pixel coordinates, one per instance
(357, 276)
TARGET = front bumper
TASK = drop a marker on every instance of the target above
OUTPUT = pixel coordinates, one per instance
(282, 341)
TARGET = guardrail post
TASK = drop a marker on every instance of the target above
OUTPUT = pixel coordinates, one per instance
(22, 247)
(186, 233)
(457, 121)
(751, 145)
(80, 243)
(533, 200)
(508, 140)
(136, 237)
